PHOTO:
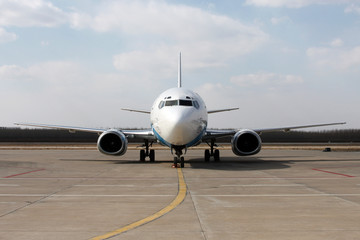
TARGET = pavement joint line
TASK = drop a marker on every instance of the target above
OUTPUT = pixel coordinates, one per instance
(118, 185)
(77, 195)
(195, 195)
(198, 216)
(264, 185)
(28, 203)
(42, 196)
(182, 189)
(157, 179)
(280, 195)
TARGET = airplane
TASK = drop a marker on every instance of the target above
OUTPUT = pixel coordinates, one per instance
(179, 120)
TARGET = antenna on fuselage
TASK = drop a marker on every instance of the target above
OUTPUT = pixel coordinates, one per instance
(179, 71)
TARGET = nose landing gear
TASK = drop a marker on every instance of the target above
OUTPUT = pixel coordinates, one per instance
(178, 158)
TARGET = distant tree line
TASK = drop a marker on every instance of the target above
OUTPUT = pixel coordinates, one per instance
(44, 135)
(52, 136)
(335, 136)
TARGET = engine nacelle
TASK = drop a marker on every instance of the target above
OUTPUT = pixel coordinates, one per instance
(246, 142)
(112, 142)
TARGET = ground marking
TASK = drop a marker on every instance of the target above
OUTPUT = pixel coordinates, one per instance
(179, 199)
(24, 173)
(345, 175)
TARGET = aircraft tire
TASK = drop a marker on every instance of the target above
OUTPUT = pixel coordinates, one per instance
(142, 155)
(152, 155)
(216, 155)
(207, 155)
(182, 162)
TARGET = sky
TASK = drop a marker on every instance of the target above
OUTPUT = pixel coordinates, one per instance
(282, 62)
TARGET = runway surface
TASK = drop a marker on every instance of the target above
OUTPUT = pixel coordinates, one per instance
(82, 194)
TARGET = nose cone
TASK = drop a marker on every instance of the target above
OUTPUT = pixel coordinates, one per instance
(180, 126)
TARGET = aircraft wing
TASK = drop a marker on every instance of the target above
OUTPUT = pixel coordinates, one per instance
(286, 129)
(135, 110)
(69, 128)
(140, 134)
(222, 110)
(211, 134)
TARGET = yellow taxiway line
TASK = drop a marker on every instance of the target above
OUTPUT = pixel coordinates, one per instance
(177, 201)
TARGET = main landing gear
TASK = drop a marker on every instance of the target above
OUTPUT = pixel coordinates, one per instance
(212, 152)
(147, 153)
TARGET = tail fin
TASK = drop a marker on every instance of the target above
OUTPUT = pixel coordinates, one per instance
(179, 72)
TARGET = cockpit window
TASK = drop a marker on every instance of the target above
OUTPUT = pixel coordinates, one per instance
(180, 102)
(171, 103)
(196, 104)
(185, 102)
(161, 104)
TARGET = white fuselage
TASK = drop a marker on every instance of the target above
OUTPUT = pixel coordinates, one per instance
(179, 118)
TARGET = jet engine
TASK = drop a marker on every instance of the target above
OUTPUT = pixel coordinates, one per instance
(112, 142)
(246, 142)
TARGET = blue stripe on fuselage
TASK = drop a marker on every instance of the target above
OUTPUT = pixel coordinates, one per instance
(191, 143)
(161, 139)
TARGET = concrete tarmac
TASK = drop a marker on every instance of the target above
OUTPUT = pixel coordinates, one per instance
(277, 194)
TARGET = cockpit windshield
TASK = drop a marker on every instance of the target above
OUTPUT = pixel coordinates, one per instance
(185, 102)
(171, 103)
(178, 102)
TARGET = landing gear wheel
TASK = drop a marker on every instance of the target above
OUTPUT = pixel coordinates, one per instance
(142, 155)
(175, 165)
(216, 155)
(207, 155)
(152, 155)
(147, 152)
(182, 162)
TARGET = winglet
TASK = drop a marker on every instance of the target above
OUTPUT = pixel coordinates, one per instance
(179, 71)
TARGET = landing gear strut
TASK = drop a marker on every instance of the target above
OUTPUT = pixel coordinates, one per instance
(147, 153)
(178, 158)
(212, 152)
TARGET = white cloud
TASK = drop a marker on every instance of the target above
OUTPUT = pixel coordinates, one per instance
(280, 20)
(63, 92)
(162, 61)
(266, 80)
(261, 108)
(52, 77)
(335, 58)
(155, 30)
(62, 77)
(353, 8)
(176, 22)
(24, 13)
(10, 72)
(6, 36)
(294, 3)
(165, 29)
(337, 43)
(44, 43)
